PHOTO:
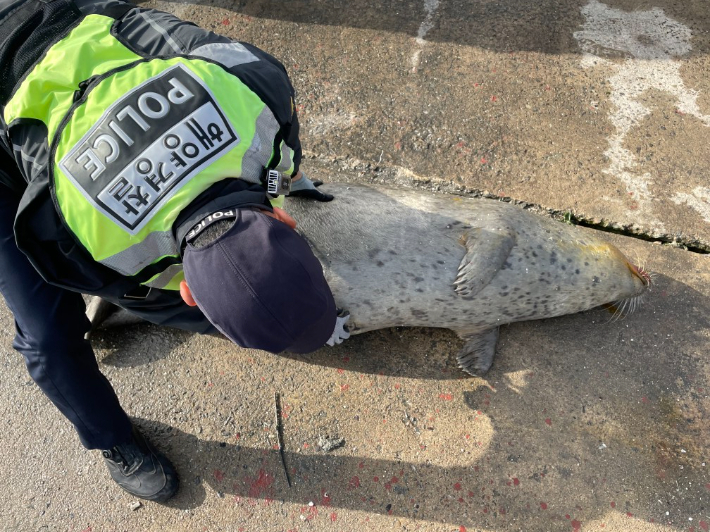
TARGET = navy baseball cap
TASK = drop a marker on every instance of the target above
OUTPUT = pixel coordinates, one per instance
(261, 286)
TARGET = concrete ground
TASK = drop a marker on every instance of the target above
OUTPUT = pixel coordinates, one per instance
(600, 112)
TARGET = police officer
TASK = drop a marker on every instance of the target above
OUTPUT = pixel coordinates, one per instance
(144, 160)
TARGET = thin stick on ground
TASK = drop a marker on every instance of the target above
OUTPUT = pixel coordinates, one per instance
(280, 435)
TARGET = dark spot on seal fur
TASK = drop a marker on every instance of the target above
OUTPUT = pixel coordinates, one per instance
(392, 252)
(440, 262)
(418, 279)
(418, 313)
(380, 263)
(372, 253)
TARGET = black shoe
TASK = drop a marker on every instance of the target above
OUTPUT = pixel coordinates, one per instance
(141, 470)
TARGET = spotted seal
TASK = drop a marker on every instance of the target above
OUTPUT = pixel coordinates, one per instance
(397, 257)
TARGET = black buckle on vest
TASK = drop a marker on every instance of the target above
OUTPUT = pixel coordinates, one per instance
(139, 293)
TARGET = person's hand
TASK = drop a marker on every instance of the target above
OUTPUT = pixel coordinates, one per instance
(282, 216)
(303, 187)
(341, 331)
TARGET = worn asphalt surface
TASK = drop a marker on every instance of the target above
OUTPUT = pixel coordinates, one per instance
(596, 112)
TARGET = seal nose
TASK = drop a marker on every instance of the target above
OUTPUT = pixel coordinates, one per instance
(641, 273)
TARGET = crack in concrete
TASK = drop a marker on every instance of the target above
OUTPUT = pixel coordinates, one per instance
(398, 176)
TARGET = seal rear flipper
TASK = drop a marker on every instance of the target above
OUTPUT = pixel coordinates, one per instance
(476, 356)
(486, 252)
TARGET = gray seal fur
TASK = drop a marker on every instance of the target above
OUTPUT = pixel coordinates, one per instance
(396, 257)
(399, 257)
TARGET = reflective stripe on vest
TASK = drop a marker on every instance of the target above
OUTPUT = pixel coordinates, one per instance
(286, 163)
(142, 142)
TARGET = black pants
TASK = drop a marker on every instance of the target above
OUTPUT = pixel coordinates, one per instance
(50, 326)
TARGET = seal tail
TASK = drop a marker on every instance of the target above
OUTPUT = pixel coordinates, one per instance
(476, 356)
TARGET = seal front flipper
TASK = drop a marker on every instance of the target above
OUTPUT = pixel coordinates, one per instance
(486, 252)
(476, 356)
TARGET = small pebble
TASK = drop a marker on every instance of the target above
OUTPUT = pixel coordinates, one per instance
(135, 505)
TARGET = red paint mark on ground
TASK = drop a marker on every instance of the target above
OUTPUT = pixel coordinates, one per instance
(629, 514)
(516, 482)
(576, 525)
(567, 516)
(333, 517)
(457, 486)
(261, 485)
(305, 445)
(397, 386)
(346, 359)
(704, 525)
(324, 498)
(341, 370)
(397, 145)
(613, 504)
(376, 479)
(462, 528)
(645, 400)
(225, 22)
(354, 483)
(543, 505)
(344, 387)
(707, 486)
(484, 160)
(446, 396)
(502, 511)
(218, 475)
(494, 98)
(548, 421)
(361, 465)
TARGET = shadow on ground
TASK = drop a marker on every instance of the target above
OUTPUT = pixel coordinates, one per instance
(590, 417)
(501, 26)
